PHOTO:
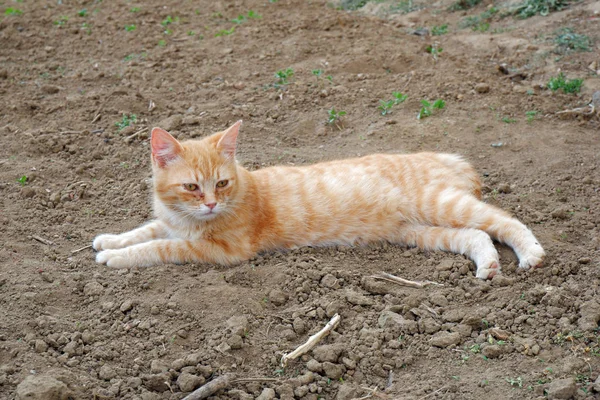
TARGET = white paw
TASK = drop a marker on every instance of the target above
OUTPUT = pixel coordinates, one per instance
(533, 257)
(108, 241)
(488, 270)
(117, 258)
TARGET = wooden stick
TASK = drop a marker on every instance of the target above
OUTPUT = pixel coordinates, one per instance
(42, 240)
(211, 387)
(312, 341)
(130, 138)
(401, 281)
(81, 249)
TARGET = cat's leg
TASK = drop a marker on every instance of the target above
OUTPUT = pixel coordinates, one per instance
(150, 231)
(473, 243)
(169, 251)
(469, 212)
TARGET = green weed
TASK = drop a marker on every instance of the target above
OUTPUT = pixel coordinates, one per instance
(508, 120)
(130, 28)
(530, 116)
(427, 108)
(566, 40)
(567, 86)
(334, 117)
(225, 32)
(243, 18)
(518, 381)
(529, 8)
(283, 75)
(168, 21)
(385, 106)
(60, 22)
(126, 121)
(439, 30)
(479, 22)
(134, 9)
(83, 12)
(434, 50)
(22, 180)
(13, 12)
(162, 43)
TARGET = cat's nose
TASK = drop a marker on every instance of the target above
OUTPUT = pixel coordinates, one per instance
(211, 205)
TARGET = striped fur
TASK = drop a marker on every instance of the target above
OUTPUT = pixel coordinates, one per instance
(427, 200)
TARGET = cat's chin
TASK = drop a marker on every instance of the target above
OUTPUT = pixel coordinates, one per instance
(207, 216)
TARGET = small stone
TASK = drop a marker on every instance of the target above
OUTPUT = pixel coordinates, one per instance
(154, 310)
(266, 394)
(389, 319)
(50, 89)
(106, 373)
(358, 299)
(126, 306)
(445, 339)
(314, 366)
(445, 265)
(346, 392)
(438, 300)
(333, 371)
(562, 389)
(328, 352)
(41, 387)
(482, 88)
(224, 347)
(40, 346)
(93, 288)
(453, 315)
(333, 308)
(330, 281)
(350, 364)
(171, 123)
(584, 260)
(235, 342)
(178, 364)
(157, 366)
(504, 188)
(239, 85)
(27, 192)
(156, 382)
(560, 213)
(299, 326)
(238, 325)
(492, 351)
(501, 280)
(278, 297)
(188, 382)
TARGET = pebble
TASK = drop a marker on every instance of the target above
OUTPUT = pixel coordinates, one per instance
(157, 366)
(171, 123)
(482, 88)
(445, 339)
(188, 382)
(93, 288)
(235, 342)
(106, 373)
(445, 265)
(492, 351)
(560, 213)
(299, 326)
(314, 366)
(238, 325)
(504, 188)
(278, 297)
(389, 319)
(562, 389)
(40, 346)
(358, 299)
(330, 281)
(50, 89)
(126, 306)
(41, 387)
(328, 352)
(333, 371)
(27, 192)
(584, 260)
(266, 394)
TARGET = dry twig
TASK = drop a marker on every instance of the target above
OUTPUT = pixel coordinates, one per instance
(401, 281)
(211, 387)
(312, 341)
(42, 240)
(81, 249)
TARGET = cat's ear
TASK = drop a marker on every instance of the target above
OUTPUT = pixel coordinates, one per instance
(228, 142)
(165, 148)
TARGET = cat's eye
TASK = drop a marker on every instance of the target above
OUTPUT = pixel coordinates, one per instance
(222, 184)
(192, 187)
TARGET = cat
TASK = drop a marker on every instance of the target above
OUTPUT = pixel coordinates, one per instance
(210, 209)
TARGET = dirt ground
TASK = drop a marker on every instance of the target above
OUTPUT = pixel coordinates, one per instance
(70, 70)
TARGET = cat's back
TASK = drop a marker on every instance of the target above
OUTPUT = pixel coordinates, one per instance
(375, 172)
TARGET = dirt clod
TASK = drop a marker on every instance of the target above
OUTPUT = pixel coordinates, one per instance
(42, 387)
(562, 389)
(445, 339)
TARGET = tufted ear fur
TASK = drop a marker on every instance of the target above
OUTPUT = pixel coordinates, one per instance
(228, 142)
(165, 148)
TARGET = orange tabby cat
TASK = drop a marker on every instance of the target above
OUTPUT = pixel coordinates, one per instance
(210, 209)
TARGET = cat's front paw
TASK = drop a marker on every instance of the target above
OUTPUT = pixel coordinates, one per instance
(117, 258)
(488, 271)
(108, 241)
(533, 258)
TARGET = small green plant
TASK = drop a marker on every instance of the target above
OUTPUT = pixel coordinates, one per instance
(22, 180)
(439, 30)
(385, 106)
(61, 21)
(530, 115)
(427, 108)
(567, 86)
(508, 120)
(479, 22)
(134, 9)
(317, 73)
(460, 5)
(225, 32)
(13, 12)
(434, 50)
(399, 97)
(243, 18)
(283, 75)
(162, 43)
(334, 117)
(476, 348)
(566, 40)
(83, 12)
(130, 28)
(518, 381)
(529, 8)
(126, 121)
(168, 21)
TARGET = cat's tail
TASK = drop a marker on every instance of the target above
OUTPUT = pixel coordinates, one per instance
(463, 170)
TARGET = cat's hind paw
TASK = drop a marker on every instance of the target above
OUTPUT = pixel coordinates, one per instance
(114, 258)
(534, 258)
(489, 271)
(107, 241)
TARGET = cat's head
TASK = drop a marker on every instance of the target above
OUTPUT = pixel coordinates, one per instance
(196, 179)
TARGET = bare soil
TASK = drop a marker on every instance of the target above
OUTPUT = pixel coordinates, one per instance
(75, 328)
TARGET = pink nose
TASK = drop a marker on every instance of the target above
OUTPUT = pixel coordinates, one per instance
(211, 205)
